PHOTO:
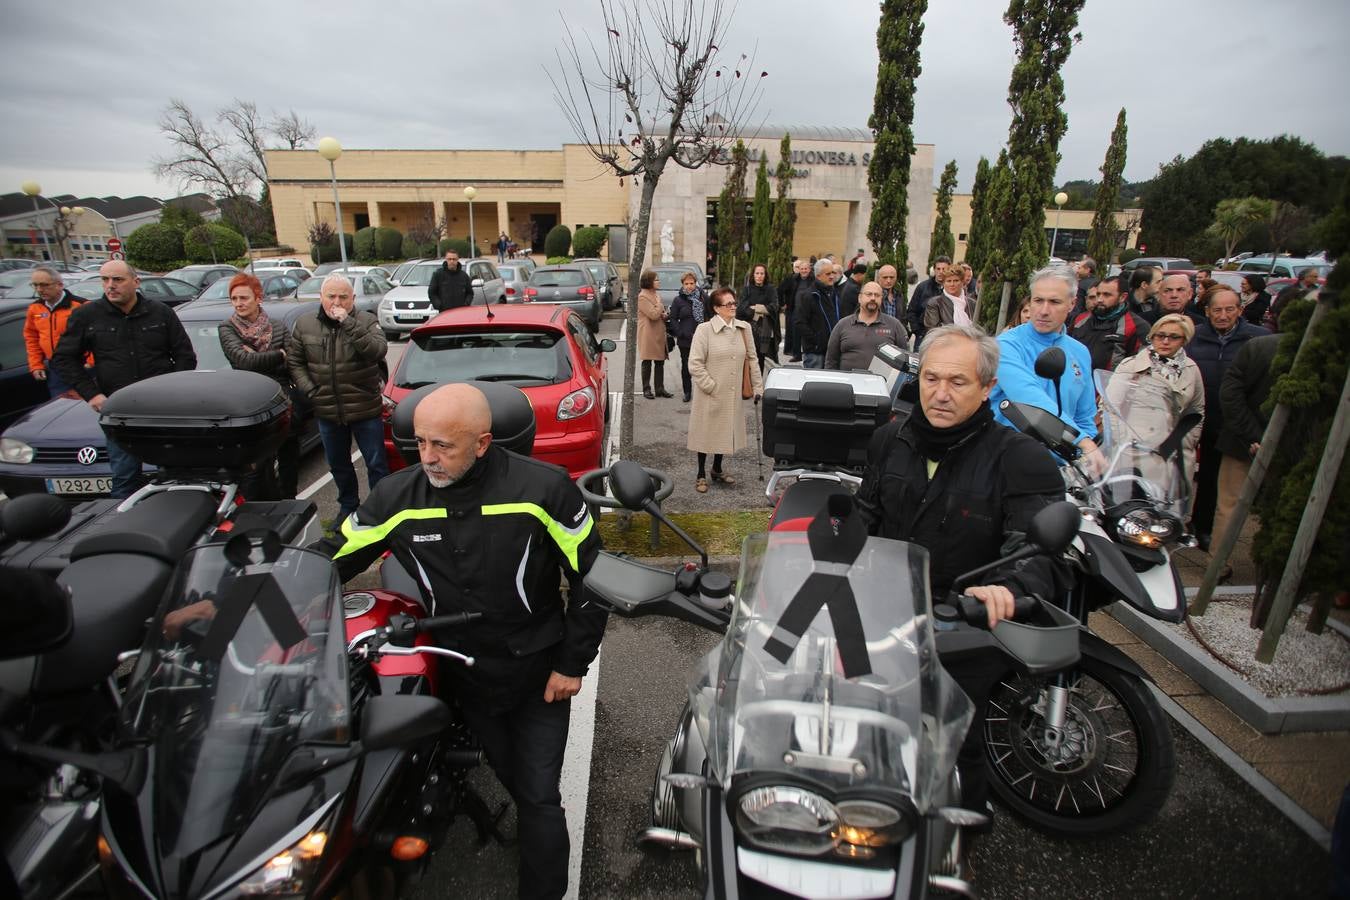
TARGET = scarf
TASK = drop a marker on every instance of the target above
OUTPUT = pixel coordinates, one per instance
(1168, 368)
(959, 314)
(256, 335)
(1112, 315)
(696, 301)
(934, 443)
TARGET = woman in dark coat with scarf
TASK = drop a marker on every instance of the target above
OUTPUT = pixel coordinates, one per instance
(688, 310)
(253, 342)
(758, 305)
(1255, 300)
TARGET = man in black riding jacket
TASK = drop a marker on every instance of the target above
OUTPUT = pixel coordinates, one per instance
(951, 479)
(485, 530)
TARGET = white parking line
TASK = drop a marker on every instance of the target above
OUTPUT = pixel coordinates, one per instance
(623, 332)
(318, 485)
(576, 773)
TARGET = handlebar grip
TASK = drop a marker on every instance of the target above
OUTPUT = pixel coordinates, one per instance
(454, 620)
(973, 611)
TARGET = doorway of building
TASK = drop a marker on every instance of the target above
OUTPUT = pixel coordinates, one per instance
(540, 225)
(361, 220)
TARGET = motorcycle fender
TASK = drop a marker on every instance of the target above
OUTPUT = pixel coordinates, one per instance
(1163, 585)
(1106, 564)
(1096, 647)
(689, 755)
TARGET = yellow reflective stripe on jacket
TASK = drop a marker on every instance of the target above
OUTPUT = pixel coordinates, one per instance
(568, 539)
(359, 536)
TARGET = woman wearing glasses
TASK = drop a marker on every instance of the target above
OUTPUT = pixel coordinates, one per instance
(1164, 359)
(717, 358)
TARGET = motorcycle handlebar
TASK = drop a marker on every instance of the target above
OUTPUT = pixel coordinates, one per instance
(454, 620)
(972, 611)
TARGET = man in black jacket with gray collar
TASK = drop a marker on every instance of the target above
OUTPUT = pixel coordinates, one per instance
(450, 285)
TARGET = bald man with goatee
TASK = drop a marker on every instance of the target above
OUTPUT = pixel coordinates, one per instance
(484, 530)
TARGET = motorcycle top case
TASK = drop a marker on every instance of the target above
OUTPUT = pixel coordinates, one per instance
(199, 421)
(822, 417)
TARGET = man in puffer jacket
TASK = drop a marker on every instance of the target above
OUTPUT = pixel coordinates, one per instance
(335, 358)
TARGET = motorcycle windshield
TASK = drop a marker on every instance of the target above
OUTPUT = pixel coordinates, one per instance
(245, 661)
(1139, 412)
(896, 727)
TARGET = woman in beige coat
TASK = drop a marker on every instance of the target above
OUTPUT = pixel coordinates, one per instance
(651, 336)
(716, 363)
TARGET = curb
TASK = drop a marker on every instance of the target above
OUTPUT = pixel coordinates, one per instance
(1269, 715)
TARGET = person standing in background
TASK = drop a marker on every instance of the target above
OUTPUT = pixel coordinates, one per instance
(717, 363)
(651, 336)
(44, 323)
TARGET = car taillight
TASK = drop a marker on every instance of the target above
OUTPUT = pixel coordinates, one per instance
(577, 403)
(586, 290)
(531, 293)
(387, 407)
(510, 290)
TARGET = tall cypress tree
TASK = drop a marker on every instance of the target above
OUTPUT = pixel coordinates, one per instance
(1102, 240)
(978, 237)
(1043, 33)
(731, 234)
(995, 241)
(784, 215)
(944, 242)
(898, 37)
(762, 213)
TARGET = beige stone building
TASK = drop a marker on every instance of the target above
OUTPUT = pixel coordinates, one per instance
(1074, 227)
(527, 192)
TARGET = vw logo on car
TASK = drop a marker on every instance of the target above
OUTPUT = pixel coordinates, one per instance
(87, 456)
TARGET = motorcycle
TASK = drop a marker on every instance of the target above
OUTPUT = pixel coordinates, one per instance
(816, 755)
(1089, 751)
(114, 559)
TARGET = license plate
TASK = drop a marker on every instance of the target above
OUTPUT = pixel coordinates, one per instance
(79, 485)
(410, 318)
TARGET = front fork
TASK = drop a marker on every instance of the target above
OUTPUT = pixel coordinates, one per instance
(1054, 709)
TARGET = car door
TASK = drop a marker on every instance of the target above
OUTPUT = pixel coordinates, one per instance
(597, 366)
(494, 289)
(19, 390)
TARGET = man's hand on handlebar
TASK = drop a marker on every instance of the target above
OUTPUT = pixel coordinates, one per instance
(561, 687)
(997, 600)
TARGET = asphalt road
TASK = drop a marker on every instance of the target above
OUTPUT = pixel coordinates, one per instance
(1216, 836)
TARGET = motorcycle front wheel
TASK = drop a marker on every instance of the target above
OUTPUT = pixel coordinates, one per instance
(1110, 769)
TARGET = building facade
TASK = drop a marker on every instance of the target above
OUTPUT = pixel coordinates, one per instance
(526, 192)
(1069, 229)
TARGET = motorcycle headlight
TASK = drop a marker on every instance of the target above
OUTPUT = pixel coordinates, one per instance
(1144, 528)
(13, 450)
(287, 874)
(867, 824)
(788, 819)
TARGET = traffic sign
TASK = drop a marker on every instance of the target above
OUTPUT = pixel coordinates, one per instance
(117, 254)
(114, 245)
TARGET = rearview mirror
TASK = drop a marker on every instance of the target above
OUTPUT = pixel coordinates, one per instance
(1053, 528)
(1050, 364)
(477, 282)
(631, 484)
(391, 721)
(608, 346)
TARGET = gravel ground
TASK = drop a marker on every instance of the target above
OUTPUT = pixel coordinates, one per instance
(1303, 662)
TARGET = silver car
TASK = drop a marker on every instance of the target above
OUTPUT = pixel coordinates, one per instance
(407, 306)
(514, 276)
(370, 288)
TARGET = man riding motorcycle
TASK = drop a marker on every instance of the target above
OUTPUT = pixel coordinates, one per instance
(950, 478)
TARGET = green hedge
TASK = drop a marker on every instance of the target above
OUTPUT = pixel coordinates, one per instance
(156, 247)
(388, 243)
(364, 244)
(459, 245)
(322, 253)
(588, 242)
(557, 260)
(558, 241)
(414, 249)
(1128, 254)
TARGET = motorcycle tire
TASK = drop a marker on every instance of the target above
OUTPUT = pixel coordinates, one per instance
(1114, 768)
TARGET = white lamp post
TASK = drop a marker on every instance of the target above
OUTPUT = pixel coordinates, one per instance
(470, 192)
(33, 189)
(1060, 199)
(330, 149)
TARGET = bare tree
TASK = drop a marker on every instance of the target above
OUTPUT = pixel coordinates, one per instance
(243, 122)
(200, 155)
(656, 90)
(292, 130)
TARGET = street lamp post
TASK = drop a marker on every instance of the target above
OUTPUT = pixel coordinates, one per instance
(330, 149)
(1060, 199)
(33, 189)
(63, 226)
(470, 192)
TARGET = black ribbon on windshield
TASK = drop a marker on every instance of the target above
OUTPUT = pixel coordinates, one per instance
(246, 591)
(836, 535)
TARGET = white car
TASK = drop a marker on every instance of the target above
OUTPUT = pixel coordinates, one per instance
(407, 306)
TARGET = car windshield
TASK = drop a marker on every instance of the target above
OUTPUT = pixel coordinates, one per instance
(205, 338)
(311, 287)
(670, 278)
(508, 273)
(1180, 264)
(419, 276)
(894, 727)
(191, 276)
(218, 290)
(1322, 270)
(512, 356)
(245, 662)
(557, 278)
(89, 289)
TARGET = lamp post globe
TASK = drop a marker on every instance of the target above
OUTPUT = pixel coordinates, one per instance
(469, 193)
(330, 149)
(1060, 199)
(31, 188)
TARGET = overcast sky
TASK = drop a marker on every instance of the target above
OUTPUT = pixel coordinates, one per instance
(86, 82)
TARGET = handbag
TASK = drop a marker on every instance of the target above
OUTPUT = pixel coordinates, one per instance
(748, 379)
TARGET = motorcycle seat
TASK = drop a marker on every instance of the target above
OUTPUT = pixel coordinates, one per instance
(803, 500)
(162, 526)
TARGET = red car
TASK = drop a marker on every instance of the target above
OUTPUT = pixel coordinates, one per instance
(545, 350)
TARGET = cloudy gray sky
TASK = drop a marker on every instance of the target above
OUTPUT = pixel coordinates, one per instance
(85, 83)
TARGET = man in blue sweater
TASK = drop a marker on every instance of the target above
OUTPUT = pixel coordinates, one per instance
(1053, 291)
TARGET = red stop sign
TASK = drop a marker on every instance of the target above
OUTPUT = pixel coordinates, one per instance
(114, 245)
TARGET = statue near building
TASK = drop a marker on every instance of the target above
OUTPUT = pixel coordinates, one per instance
(667, 242)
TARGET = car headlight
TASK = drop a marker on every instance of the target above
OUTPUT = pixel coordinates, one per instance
(1144, 528)
(287, 874)
(13, 450)
(788, 819)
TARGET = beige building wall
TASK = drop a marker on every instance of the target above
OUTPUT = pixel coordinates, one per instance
(1069, 220)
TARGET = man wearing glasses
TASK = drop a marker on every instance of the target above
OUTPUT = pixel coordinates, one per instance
(45, 323)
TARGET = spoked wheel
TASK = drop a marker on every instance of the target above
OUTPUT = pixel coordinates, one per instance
(1109, 769)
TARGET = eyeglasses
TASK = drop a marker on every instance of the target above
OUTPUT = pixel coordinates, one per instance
(1164, 336)
(725, 306)
(39, 285)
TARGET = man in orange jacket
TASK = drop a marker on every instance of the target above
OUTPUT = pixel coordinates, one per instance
(45, 323)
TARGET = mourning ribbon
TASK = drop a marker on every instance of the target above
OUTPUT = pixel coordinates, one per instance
(252, 589)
